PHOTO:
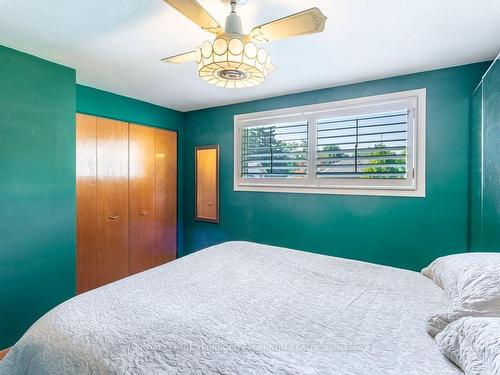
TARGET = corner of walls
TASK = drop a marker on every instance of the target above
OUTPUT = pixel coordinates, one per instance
(484, 195)
(475, 154)
(183, 197)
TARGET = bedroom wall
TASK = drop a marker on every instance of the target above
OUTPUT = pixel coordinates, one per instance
(105, 104)
(37, 189)
(397, 231)
(485, 163)
(38, 104)
(491, 148)
(475, 176)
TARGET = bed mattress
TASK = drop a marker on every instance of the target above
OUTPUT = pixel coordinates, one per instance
(243, 308)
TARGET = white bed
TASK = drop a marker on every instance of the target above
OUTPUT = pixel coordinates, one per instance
(243, 308)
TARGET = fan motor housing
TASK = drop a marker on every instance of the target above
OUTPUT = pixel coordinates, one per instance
(238, 2)
(232, 74)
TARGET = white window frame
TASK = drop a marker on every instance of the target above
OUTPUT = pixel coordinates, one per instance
(413, 186)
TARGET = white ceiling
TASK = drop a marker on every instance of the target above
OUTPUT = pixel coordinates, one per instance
(116, 45)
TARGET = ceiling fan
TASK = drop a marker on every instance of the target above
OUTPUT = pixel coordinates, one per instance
(234, 60)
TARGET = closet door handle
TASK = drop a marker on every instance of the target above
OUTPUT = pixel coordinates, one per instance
(114, 217)
(144, 213)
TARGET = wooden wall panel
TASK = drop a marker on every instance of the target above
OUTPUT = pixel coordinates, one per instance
(166, 196)
(86, 201)
(142, 171)
(112, 261)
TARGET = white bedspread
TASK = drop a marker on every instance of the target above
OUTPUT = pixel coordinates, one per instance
(243, 308)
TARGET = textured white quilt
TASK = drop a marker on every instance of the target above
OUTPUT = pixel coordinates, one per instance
(243, 308)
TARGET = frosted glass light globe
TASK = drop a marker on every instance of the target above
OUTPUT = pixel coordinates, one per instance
(232, 61)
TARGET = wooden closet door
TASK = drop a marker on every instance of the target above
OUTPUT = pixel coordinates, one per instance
(166, 196)
(142, 181)
(112, 258)
(86, 202)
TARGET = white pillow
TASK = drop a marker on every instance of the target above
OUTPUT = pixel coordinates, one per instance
(471, 281)
(473, 344)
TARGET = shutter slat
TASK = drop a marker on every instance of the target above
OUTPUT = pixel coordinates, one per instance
(362, 135)
(250, 136)
(362, 175)
(360, 118)
(276, 144)
(347, 150)
(296, 153)
(362, 165)
(362, 126)
(275, 162)
(383, 157)
(361, 142)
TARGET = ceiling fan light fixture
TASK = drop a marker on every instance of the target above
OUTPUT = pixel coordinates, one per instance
(232, 62)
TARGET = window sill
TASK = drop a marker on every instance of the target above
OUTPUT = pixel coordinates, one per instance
(372, 191)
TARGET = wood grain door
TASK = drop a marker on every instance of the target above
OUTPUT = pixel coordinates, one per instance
(86, 202)
(166, 196)
(142, 185)
(112, 252)
(126, 199)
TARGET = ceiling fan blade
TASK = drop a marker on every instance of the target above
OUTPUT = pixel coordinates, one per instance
(307, 22)
(181, 58)
(196, 13)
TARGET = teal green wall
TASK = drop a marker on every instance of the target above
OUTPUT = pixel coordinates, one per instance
(105, 104)
(485, 163)
(475, 192)
(37, 189)
(491, 152)
(397, 231)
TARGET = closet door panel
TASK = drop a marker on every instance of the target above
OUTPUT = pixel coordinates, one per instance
(112, 201)
(166, 196)
(142, 186)
(86, 203)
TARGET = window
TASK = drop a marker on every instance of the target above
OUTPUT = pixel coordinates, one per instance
(367, 146)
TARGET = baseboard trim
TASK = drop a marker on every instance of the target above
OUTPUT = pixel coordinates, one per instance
(3, 353)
